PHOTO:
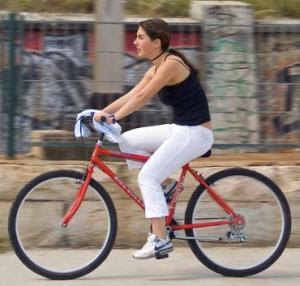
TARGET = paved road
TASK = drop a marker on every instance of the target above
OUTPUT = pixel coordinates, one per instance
(181, 268)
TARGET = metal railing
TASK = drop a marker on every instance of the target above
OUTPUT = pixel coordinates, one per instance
(11, 127)
(251, 76)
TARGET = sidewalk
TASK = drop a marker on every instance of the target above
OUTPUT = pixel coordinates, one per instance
(181, 268)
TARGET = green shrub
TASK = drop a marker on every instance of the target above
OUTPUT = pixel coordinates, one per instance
(80, 6)
(151, 8)
(289, 8)
(158, 8)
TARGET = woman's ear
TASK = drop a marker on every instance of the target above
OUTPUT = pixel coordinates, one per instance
(157, 43)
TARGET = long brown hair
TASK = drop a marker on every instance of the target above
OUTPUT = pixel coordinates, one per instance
(159, 29)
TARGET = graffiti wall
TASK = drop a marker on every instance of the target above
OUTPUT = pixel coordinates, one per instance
(230, 72)
(57, 78)
(279, 62)
(251, 77)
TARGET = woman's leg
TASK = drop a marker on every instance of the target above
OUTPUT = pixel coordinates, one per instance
(143, 141)
(159, 227)
(183, 145)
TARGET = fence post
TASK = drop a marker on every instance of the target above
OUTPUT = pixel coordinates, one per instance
(11, 86)
(229, 69)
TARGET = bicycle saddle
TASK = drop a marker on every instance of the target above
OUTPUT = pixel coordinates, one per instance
(207, 154)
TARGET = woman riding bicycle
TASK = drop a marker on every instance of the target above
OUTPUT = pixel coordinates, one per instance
(171, 146)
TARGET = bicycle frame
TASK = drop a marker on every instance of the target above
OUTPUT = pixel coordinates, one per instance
(96, 161)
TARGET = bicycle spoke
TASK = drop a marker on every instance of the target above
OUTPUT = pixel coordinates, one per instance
(40, 240)
(253, 239)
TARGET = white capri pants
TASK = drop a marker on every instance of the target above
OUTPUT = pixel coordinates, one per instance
(171, 146)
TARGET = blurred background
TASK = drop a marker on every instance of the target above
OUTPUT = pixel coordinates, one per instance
(53, 65)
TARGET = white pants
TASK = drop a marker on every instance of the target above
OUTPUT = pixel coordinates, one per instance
(171, 146)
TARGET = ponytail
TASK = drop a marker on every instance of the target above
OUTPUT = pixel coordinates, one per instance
(174, 52)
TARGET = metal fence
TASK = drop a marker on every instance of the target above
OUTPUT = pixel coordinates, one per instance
(11, 101)
(251, 74)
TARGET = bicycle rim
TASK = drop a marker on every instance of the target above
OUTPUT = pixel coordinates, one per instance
(240, 250)
(50, 249)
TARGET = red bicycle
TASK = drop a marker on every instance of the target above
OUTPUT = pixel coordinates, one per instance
(63, 223)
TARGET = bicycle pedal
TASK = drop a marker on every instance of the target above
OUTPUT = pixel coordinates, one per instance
(162, 256)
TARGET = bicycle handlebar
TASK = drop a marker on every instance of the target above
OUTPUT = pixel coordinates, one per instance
(102, 119)
(88, 121)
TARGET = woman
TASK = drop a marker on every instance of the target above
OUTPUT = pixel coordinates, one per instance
(171, 146)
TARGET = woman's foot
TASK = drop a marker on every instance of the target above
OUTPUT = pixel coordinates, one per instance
(154, 247)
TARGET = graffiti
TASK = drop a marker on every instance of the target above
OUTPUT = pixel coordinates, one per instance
(221, 14)
(230, 73)
(251, 78)
(288, 79)
(56, 82)
(281, 88)
(53, 85)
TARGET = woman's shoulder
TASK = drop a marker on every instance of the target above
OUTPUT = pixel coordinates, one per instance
(176, 63)
(173, 59)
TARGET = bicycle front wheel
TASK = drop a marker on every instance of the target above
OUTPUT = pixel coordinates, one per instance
(244, 249)
(40, 240)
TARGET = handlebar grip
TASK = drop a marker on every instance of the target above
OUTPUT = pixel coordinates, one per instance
(102, 119)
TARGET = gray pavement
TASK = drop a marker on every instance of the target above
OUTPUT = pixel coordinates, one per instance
(181, 268)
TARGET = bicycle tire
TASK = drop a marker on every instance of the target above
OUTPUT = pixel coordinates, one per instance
(36, 194)
(209, 255)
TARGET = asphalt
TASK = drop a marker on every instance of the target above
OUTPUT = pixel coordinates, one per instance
(181, 268)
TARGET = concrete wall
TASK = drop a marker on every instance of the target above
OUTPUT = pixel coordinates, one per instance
(133, 227)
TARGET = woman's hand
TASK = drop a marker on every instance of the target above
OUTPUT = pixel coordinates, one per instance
(110, 119)
(100, 114)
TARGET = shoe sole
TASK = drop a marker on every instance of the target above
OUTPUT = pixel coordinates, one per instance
(158, 255)
(163, 253)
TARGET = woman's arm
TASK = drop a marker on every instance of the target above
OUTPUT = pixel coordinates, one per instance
(117, 104)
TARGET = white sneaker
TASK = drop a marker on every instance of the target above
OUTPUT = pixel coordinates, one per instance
(154, 247)
(169, 189)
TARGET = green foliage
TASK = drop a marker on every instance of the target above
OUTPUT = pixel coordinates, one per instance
(151, 8)
(290, 8)
(276, 8)
(158, 8)
(67, 6)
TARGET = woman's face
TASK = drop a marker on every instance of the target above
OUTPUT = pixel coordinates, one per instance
(146, 47)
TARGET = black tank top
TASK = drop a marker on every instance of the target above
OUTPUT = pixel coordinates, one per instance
(188, 101)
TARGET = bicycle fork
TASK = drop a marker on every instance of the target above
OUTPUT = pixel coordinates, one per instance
(80, 195)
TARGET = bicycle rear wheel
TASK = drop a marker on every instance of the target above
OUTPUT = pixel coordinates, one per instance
(239, 250)
(37, 235)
